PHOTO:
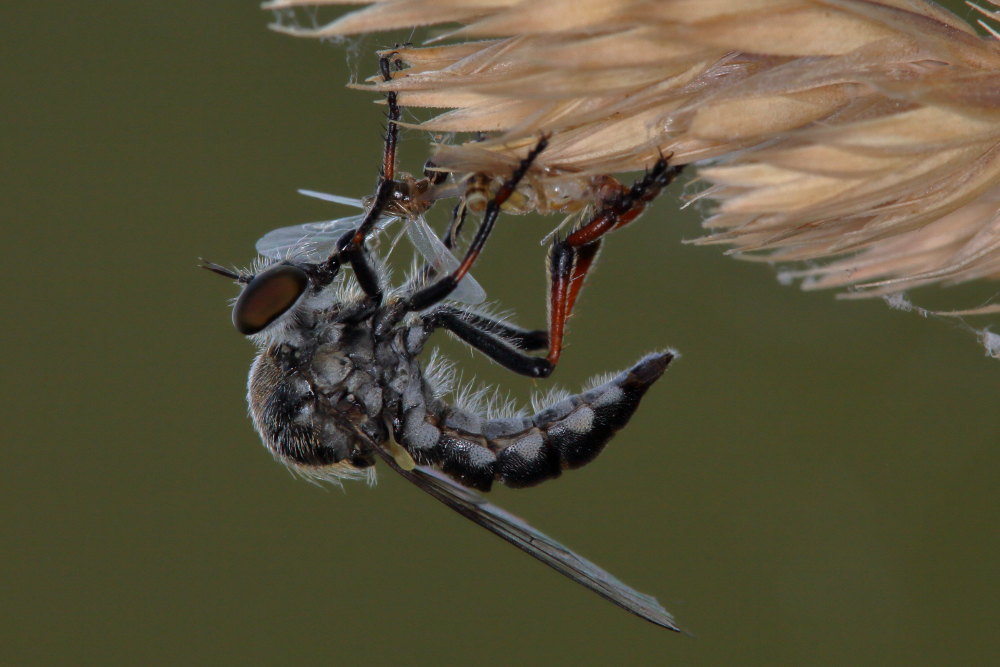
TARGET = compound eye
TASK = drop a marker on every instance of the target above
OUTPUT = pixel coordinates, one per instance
(268, 296)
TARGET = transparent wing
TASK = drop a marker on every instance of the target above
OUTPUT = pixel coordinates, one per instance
(516, 531)
(336, 199)
(442, 260)
(310, 241)
(314, 241)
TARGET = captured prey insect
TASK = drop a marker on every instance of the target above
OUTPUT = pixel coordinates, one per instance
(599, 205)
(337, 384)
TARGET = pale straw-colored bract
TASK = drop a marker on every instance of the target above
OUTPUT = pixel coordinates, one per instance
(861, 137)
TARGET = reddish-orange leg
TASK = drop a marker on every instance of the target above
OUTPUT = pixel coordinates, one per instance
(571, 258)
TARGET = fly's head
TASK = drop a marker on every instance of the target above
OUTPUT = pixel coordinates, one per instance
(283, 302)
(311, 396)
(291, 301)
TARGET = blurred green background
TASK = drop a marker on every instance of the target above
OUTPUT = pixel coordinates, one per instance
(814, 482)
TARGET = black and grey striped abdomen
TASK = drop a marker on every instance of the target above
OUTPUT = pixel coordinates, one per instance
(522, 451)
(571, 433)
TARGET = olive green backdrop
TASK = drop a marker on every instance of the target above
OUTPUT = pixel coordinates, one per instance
(813, 483)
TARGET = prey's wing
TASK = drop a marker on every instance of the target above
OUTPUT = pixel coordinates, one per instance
(516, 531)
(442, 260)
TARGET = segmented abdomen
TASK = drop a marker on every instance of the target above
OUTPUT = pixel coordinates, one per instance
(524, 451)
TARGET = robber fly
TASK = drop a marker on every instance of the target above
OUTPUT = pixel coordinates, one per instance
(337, 384)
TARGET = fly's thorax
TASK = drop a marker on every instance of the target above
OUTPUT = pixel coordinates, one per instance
(395, 358)
(312, 406)
(408, 389)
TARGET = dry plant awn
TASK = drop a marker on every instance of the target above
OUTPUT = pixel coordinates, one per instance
(859, 137)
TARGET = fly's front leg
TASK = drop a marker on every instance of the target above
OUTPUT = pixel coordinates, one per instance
(351, 247)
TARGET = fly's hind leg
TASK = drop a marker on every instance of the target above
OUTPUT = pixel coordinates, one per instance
(570, 259)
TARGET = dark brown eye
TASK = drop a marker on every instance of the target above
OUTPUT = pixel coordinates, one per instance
(267, 296)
